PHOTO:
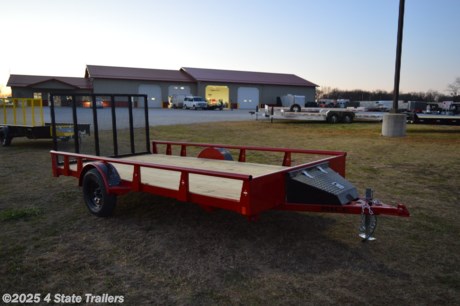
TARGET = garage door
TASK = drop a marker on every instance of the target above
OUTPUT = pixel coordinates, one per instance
(175, 90)
(248, 97)
(154, 94)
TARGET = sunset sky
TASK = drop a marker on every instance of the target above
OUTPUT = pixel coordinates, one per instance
(345, 44)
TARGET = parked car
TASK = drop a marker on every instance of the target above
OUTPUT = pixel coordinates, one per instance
(213, 104)
(100, 103)
(195, 102)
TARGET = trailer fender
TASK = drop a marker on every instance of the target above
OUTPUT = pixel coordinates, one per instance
(107, 171)
(215, 153)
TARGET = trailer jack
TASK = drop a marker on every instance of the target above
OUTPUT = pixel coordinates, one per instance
(368, 218)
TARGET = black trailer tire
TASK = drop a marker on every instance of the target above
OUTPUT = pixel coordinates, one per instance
(5, 139)
(296, 108)
(98, 201)
(347, 118)
(333, 118)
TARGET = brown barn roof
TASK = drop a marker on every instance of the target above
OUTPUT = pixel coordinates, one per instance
(183, 75)
(106, 72)
(232, 76)
(19, 80)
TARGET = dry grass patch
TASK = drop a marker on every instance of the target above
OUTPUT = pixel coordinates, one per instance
(159, 251)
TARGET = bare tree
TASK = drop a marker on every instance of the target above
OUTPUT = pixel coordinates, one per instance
(432, 95)
(454, 88)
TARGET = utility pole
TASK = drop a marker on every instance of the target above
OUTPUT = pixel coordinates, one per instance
(394, 124)
(398, 56)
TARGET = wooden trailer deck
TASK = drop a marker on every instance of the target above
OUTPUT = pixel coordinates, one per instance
(199, 184)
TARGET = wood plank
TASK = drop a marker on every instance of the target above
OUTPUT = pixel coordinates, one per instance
(208, 164)
(199, 184)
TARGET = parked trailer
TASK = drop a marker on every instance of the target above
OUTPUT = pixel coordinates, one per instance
(445, 113)
(444, 119)
(213, 180)
(23, 117)
(331, 115)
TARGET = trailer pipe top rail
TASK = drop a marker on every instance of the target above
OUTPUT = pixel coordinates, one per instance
(337, 163)
(80, 159)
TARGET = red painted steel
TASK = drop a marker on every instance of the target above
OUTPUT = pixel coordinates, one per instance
(212, 153)
(354, 207)
(258, 194)
(337, 164)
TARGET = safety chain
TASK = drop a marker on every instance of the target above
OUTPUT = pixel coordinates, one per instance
(365, 205)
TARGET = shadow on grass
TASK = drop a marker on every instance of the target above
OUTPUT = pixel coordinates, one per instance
(289, 242)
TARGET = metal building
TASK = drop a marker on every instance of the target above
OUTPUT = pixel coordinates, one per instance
(238, 89)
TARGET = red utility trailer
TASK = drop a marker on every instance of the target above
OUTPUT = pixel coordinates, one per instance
(212, 179)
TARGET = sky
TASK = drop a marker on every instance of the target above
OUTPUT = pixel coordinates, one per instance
(344, 44)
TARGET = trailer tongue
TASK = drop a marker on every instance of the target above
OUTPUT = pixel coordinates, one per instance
(220, 176)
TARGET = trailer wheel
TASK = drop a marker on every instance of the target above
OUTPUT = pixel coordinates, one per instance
(296, 108)
(98, 201)
(333, 118)
(348, 119)
(5, 139)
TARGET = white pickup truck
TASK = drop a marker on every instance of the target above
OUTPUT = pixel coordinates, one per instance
(194, 102)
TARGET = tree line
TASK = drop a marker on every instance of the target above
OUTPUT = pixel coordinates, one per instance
(453, 94)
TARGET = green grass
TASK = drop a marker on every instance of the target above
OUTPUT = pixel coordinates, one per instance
(19, 213)
(159, 251)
